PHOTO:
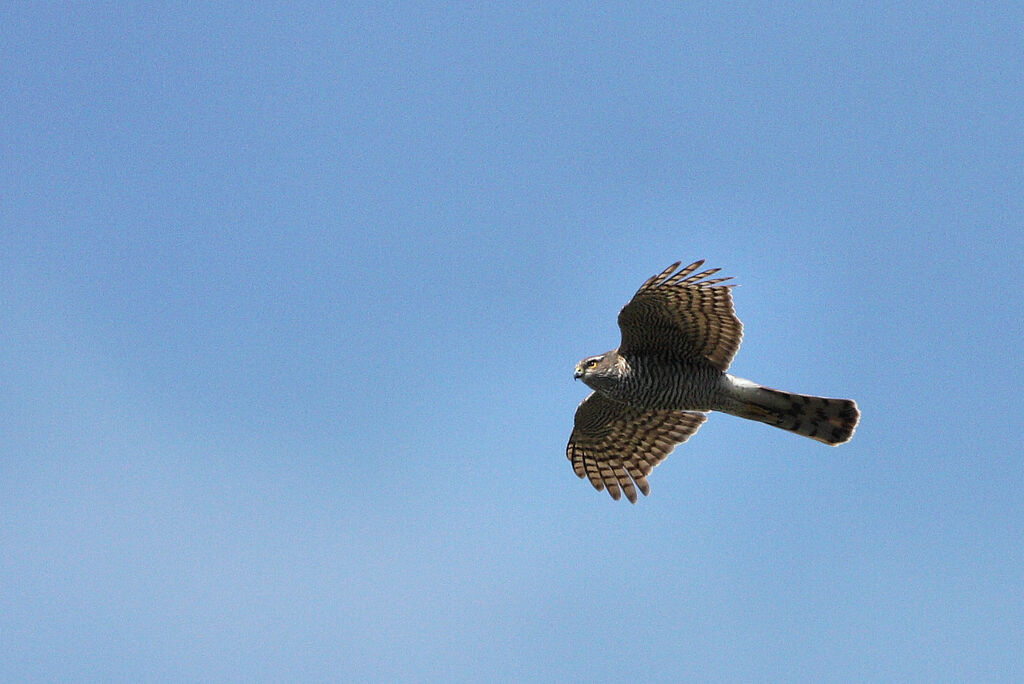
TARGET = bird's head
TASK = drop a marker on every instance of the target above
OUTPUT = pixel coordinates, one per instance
(600, 372)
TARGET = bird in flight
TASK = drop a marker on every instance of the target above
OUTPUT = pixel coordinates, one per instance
(679, 333)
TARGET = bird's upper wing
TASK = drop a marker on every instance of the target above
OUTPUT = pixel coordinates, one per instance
(676, 313)
(615, 445)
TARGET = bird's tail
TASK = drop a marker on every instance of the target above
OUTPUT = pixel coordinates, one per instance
(831, 421)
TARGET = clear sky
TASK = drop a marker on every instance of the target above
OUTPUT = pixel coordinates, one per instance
(290, 300)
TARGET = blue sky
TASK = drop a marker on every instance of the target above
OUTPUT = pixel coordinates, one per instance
(291, 299)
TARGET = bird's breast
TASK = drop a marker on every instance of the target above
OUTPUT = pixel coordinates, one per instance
(667, 383)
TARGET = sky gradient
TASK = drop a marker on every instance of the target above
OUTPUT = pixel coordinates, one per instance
(290, 300)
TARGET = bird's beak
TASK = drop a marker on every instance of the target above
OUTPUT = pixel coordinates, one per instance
(578, 373)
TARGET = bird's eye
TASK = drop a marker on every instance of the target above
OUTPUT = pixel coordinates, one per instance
(591, 363)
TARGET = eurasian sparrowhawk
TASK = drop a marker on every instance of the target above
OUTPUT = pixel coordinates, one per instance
(679, 333)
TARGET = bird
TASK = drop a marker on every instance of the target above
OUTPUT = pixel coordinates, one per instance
(679, 334)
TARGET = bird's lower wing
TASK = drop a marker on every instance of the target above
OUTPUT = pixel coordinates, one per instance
(615, 445)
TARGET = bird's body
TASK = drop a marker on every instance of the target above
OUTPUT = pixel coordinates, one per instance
(679, 334)
(642, 380)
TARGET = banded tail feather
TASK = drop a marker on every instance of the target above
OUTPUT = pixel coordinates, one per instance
(830, 421)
